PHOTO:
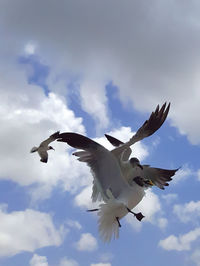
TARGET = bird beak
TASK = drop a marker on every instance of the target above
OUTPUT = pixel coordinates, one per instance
(139, 165)
(149, 182)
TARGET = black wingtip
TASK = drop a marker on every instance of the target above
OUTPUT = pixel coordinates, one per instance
(44, 160)
(115, 142)
(77, 141)
(55, 135)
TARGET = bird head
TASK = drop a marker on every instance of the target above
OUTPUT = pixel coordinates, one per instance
(135, 162)
(51, 148)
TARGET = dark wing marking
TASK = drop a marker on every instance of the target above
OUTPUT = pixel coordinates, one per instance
(160, 177)
(150, 126)
(78, 141)
(115, 142)
(154, 122)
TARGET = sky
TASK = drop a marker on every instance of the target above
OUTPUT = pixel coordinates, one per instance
(96, 67)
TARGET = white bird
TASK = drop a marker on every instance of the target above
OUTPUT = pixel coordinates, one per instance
(44, 147)
(120, 182)
(149, 175)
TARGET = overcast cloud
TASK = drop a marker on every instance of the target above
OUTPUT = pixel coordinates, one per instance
(157, 59)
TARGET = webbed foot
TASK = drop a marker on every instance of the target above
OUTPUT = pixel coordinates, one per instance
(139, 216)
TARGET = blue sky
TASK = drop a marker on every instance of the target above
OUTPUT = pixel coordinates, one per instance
(97, 67)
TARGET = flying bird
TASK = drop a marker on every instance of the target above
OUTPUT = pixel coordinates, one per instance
(44, 147)
(149, 175)
(119, 181)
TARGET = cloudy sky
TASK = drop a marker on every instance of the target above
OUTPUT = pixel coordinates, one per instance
(97, 67)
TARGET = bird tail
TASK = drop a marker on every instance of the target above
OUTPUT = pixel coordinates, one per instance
(34, 149)
(109, 215)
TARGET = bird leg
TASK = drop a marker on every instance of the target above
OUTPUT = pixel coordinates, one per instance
(139, 215)
(92, 210)
(117, 218)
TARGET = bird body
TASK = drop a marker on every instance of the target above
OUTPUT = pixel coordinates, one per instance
(115, 191)
(44, 147)
(118, 180)
(115, 209)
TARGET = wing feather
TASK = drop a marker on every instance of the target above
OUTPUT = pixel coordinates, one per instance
(103, 164)
(160, 177)
(149, 127)
(53, 137)
(115, 142)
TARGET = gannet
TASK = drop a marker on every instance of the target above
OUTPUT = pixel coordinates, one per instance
(120, 182)
(44, 147)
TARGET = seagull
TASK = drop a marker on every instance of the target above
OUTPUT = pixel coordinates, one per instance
(119, 181)
(44, 147)
(149, 175)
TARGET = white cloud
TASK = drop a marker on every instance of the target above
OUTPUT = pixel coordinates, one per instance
(195, 257)
(169, 198)
(16, 236)
(188, 212)
(95, 103)
(180, 243)
(100, 264)
(162, 222)
(86, 243)
(68, 262)
(26, 122)
(106, 257)
(83, 199)
(150, 207)
(198, 174)
(30, 48)
(157, 62)
(37, 260)
(133, 222)
(74, 224)
(182, 174)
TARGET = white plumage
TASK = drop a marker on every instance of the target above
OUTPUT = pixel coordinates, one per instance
(120, 182)
(44, 147)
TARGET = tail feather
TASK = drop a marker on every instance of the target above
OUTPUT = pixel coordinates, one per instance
(34, 149)
(108, 225)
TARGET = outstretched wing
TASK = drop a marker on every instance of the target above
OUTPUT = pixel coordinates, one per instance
(50, 139)
(159, 177)
(104, 166)
(150, 126)
(115, 142)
